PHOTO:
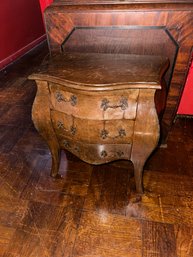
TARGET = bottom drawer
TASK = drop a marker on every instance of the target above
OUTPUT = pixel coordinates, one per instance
(96, 153)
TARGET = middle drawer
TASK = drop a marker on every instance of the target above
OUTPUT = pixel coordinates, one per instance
(92, 131)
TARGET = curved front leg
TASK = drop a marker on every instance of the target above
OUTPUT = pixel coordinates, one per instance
(42, 122)
(146, 134)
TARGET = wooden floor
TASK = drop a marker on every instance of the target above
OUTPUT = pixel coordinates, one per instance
(93, 211)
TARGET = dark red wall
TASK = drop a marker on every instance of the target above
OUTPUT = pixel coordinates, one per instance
(21, 27)
(45, 3)
(186, 104)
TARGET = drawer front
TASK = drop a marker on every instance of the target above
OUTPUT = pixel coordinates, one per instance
(96, 153)
(92, 131)
(108, 105)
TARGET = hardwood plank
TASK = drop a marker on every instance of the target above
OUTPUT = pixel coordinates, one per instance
(17, 172)
(31, 141)
(168, 160)
(95, 187)
(75, 178)
(5, 237)
(167, 199)
(158, 240)
(103, 234)
(42, 188)
(184, 240)
(12, 211)
(108, 189)
(9, 137)
(46, 230)
(17, 115)
(122, 191)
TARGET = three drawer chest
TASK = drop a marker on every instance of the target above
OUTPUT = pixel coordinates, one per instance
(100, 107)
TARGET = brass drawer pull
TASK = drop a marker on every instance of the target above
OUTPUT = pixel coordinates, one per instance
(104, 134)
(73, 100)
(123, 104)
(61, 98)
(103, 154)
(122, 133)
(73, 130)
(66, 144)
(77, 149)
(60, 125)
(120, 154)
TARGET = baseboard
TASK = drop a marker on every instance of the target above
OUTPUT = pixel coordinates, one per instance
(182, 116)
(7, 61)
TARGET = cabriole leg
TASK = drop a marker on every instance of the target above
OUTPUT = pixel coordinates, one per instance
(146, 134)
(138, 174)
(43, 124)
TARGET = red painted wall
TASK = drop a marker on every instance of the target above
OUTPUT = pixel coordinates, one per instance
(44, 4)
(21, 28)
(186, 103)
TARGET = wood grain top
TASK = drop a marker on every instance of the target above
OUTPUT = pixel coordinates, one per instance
(86, 2)
(90, 71)
(83, 5)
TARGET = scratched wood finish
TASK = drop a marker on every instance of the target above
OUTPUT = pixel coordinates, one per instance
(93, 210)
(66, 22)
(107, 131)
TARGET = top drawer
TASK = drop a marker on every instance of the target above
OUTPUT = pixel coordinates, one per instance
(108, 105)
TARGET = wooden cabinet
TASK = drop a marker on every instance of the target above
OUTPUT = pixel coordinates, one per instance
(141, 27)
(100, 107)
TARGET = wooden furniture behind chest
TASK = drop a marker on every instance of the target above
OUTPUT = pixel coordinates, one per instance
(142, 27)
(100, 107)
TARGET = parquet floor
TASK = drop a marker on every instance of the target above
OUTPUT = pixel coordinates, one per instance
(93, 211)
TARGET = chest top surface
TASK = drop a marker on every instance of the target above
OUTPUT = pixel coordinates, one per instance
(86, 2)
(104, 70)
(82, 5)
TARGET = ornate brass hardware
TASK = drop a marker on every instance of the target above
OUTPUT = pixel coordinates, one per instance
(77, 149)
(61, 98)
(73, 130)
(73, 100)
(104, 104)
(66, 144)
(122, 133)
(120, 154)
(104, 133)
(123, 104)
(60, 125)
(103, 154)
